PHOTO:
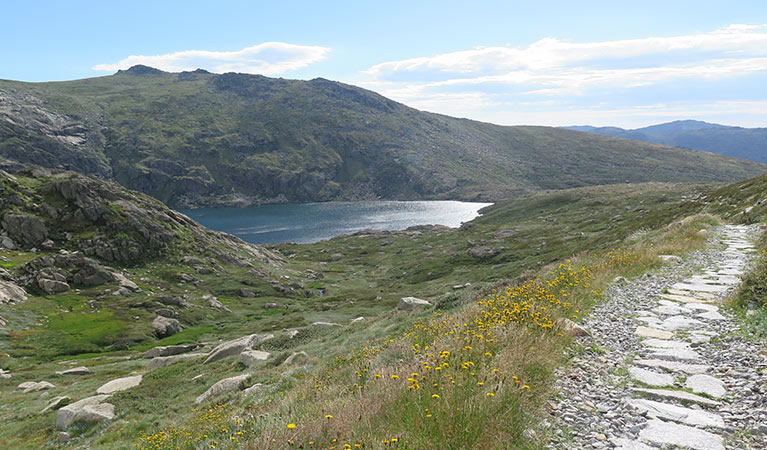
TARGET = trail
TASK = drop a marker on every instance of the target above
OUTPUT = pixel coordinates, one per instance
(665, 366)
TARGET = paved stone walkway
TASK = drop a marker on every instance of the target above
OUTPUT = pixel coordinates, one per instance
(665, 367)
(685, 418)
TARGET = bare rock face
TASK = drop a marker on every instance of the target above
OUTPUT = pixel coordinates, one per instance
(412, 303)
(165, 327)
(88, 410)
(29, 231)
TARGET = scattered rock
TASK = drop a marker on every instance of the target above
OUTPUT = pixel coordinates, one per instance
(411, 303)
(120, 384)
(271, 306)
(167, 312)
(88, 410)
(169, 350)
(64, 437)
(250, 358)
(31, 386)
(247, 293)
(225, 385)
(57, 403)
(164, 327)
(10, 293)
(572, 328)
(295, 358)
(235, 347)
(324, 324)
(215, 303)
(81, 370)
(52, 286)
(358, 320)
(671, 259)
(162, 361)
(4, 375)
(485, 252)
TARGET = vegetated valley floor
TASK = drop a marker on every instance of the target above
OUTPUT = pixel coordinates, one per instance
(463, 375)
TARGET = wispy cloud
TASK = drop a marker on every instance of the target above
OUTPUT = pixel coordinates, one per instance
(583, 74)
(268, 58)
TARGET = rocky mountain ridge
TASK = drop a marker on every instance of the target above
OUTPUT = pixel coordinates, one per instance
(196, 139)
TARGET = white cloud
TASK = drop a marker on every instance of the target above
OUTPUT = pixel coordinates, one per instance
(268, 58)
(552, 81)
(552, 53)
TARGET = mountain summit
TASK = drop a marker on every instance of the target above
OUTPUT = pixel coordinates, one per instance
(200, 139)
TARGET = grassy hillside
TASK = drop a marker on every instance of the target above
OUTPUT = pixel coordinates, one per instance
(557, 249)
(196, 139)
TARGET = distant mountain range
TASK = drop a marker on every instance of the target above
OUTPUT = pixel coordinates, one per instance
(746, 143)
(196, 139)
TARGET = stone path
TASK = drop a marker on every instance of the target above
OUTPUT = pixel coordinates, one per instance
(674, 377)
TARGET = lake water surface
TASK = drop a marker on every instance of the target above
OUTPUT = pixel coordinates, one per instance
(312, 222)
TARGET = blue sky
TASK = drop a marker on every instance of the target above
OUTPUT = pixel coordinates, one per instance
(623, 63)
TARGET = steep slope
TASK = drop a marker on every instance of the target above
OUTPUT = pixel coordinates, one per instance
(196, 139)
(746, 143)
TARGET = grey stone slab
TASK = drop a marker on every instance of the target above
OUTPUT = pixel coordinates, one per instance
(676, 323)
(697, 295)
(702, 307)
(711, 315)
(700, 287)
(706, 384)
(650, 320)
(670, 394)
(660, 343)
(653, 333)
(687, 416)
(671, 434)
(674, 366)
(675, 354)
(651, 378)
(670, 310)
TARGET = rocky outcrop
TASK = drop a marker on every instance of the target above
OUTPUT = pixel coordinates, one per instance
(88, 410)
(235, 347)
(412, 303)
(29, 231)
(55, 273)
(226, 385)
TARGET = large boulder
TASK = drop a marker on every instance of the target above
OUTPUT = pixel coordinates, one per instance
(162, 361)
(31, 386)
(164, 327)
(411, 303)
(227, 384)
(250, 358)
(120, 384)
(88, 410)
(50, 286)
(27, 230)
(235, 347)
(57, 403)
